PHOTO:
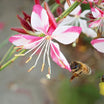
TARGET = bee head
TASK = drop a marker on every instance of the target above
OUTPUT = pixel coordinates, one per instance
(75, 65)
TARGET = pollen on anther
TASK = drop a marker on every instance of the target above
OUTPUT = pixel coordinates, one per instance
(19, 54)
(28, 59)
(31, 68)
(42, 67)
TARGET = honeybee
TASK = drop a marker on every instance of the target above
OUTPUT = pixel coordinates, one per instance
(101, 86)
(79, 69)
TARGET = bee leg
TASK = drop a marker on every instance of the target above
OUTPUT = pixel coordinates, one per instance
(75, 75)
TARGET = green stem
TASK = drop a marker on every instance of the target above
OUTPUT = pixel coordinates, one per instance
(9, 50)
(10, 61)
(11, 53)
(70, 9)
(4, 43)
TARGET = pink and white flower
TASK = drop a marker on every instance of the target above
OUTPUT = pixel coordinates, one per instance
(98, 44)
(98, 22)
(78, 18)
(44, 23)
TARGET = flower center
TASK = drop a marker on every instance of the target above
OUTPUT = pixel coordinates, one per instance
(48, 37)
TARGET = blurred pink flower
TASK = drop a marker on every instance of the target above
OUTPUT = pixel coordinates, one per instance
(1, 25)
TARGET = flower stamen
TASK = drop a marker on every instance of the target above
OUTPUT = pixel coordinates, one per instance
(31, 68)
(44, 56)
(19, 55)
(38, 55)
(28, 59)
(19, 47)
(38, 48)
(42, 67)
(49, 69)
(48, 37)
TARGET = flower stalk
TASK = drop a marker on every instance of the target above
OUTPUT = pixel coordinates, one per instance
(10, 61)
(70, 9)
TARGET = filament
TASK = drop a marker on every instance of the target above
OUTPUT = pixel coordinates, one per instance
(38, 48)
(31, 68)
(39, 54)
(35, 45)
(31, 48)
(48, 57)
(44, 56)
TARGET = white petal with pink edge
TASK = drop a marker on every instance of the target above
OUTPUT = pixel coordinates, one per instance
(39, 19)
(98, 44)
(58, 57)
(85, 29)
(68, 21)
(95, 23)
(95, 12)
(26, 41)
(66, 34)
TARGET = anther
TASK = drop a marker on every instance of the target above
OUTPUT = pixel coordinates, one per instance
(49, 71)
(31, 68)
(28, 59)
(19, 47)
(42, 67)
(19, 54)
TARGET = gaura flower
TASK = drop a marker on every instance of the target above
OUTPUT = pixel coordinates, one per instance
(78, 18)
(42, 22)
(98, 44)
(98, 22)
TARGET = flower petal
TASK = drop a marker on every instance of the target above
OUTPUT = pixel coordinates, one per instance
(96, 13)
(85, 29)
(52, 20)
(83, 14)
(68, 21)
(24, 40)
(95, 23)
(98, 44)
(58, 57)
(66, 34)
(39, 19)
